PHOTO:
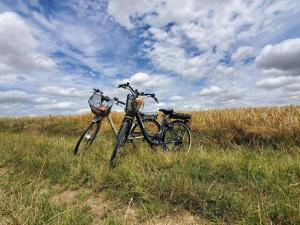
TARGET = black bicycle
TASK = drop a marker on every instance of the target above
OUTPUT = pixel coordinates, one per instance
(174, 132)
(101, 106)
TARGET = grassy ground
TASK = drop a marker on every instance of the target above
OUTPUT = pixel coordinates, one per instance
(244, 168)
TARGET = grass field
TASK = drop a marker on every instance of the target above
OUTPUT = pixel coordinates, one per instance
(243, 168)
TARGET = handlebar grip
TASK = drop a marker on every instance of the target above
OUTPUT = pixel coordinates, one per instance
(106, 98)
(152, 95)
(123, 85)
(118, 101)
(122, 103)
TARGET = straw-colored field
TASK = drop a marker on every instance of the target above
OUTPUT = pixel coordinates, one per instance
(243, 168)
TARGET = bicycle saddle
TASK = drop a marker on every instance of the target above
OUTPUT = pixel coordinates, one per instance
(180, 116)
(166, 111)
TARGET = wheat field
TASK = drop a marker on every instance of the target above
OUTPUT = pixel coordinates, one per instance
(243, 168)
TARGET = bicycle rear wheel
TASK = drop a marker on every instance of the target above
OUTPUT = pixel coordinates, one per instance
(177, 137)
(87, 138)
(152, 127)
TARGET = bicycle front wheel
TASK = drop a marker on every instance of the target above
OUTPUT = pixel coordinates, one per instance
(177, 137)
(121, 139)
(87, 138)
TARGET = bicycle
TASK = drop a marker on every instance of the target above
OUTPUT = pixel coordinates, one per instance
(174, 132)
(101, 107)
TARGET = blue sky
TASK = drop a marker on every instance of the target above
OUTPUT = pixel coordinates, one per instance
(193, 54)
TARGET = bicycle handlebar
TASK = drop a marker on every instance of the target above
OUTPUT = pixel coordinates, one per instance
(106, 98)
(127, 86)
(136, 92)
(97, 90)
(118, 101)
(152, 95)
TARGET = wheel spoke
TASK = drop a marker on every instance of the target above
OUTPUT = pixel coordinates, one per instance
(87, 138)
(177, 137)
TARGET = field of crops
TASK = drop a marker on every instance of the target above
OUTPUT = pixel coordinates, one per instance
(243, 168)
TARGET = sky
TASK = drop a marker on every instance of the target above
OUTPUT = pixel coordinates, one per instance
(194, 54)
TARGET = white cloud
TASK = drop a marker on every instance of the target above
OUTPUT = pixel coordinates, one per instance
(190, 20)
(84, 111)
(146, 80)
(58, 106)
(14, 96)
(159, 34)
(213, 90)
(276, 82)
(173, 58)
(293, 88)
(122, 10)
(278, 73)
(177, 98)
(43, 100)
(224, 70)
(229, 98)
(213, 28)
(18, 47)
(9, 78)
(242, 53)
(284, 56)
(61, 91)
(184, 47)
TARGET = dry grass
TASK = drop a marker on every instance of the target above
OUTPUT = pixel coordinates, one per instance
(277, 127)
(232, 174)
(273, 126)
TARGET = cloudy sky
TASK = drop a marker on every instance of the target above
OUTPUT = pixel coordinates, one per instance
(194, 54)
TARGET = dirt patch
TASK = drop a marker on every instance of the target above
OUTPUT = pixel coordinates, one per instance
(182, 218)
(5, 170)
(99, 205)
(67, 197)
(129, 214)
(102, 207)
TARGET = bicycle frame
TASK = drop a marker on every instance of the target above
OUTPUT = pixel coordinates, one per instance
(98, 119)
(111, 122)
(152, 140)
(144, 131)
(137, 119)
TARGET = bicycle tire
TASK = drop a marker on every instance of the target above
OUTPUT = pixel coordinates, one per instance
(119, 142)
(135, 134)
(173, 135)
(85, 146)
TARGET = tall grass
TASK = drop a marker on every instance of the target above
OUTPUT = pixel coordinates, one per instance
(227, 178)
(277, 127)
(272, 126)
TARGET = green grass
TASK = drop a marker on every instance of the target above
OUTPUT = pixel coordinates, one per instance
(233, 185)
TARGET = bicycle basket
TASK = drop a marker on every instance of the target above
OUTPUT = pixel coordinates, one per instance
(99, 105)
(133, 104)
(130, 109)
